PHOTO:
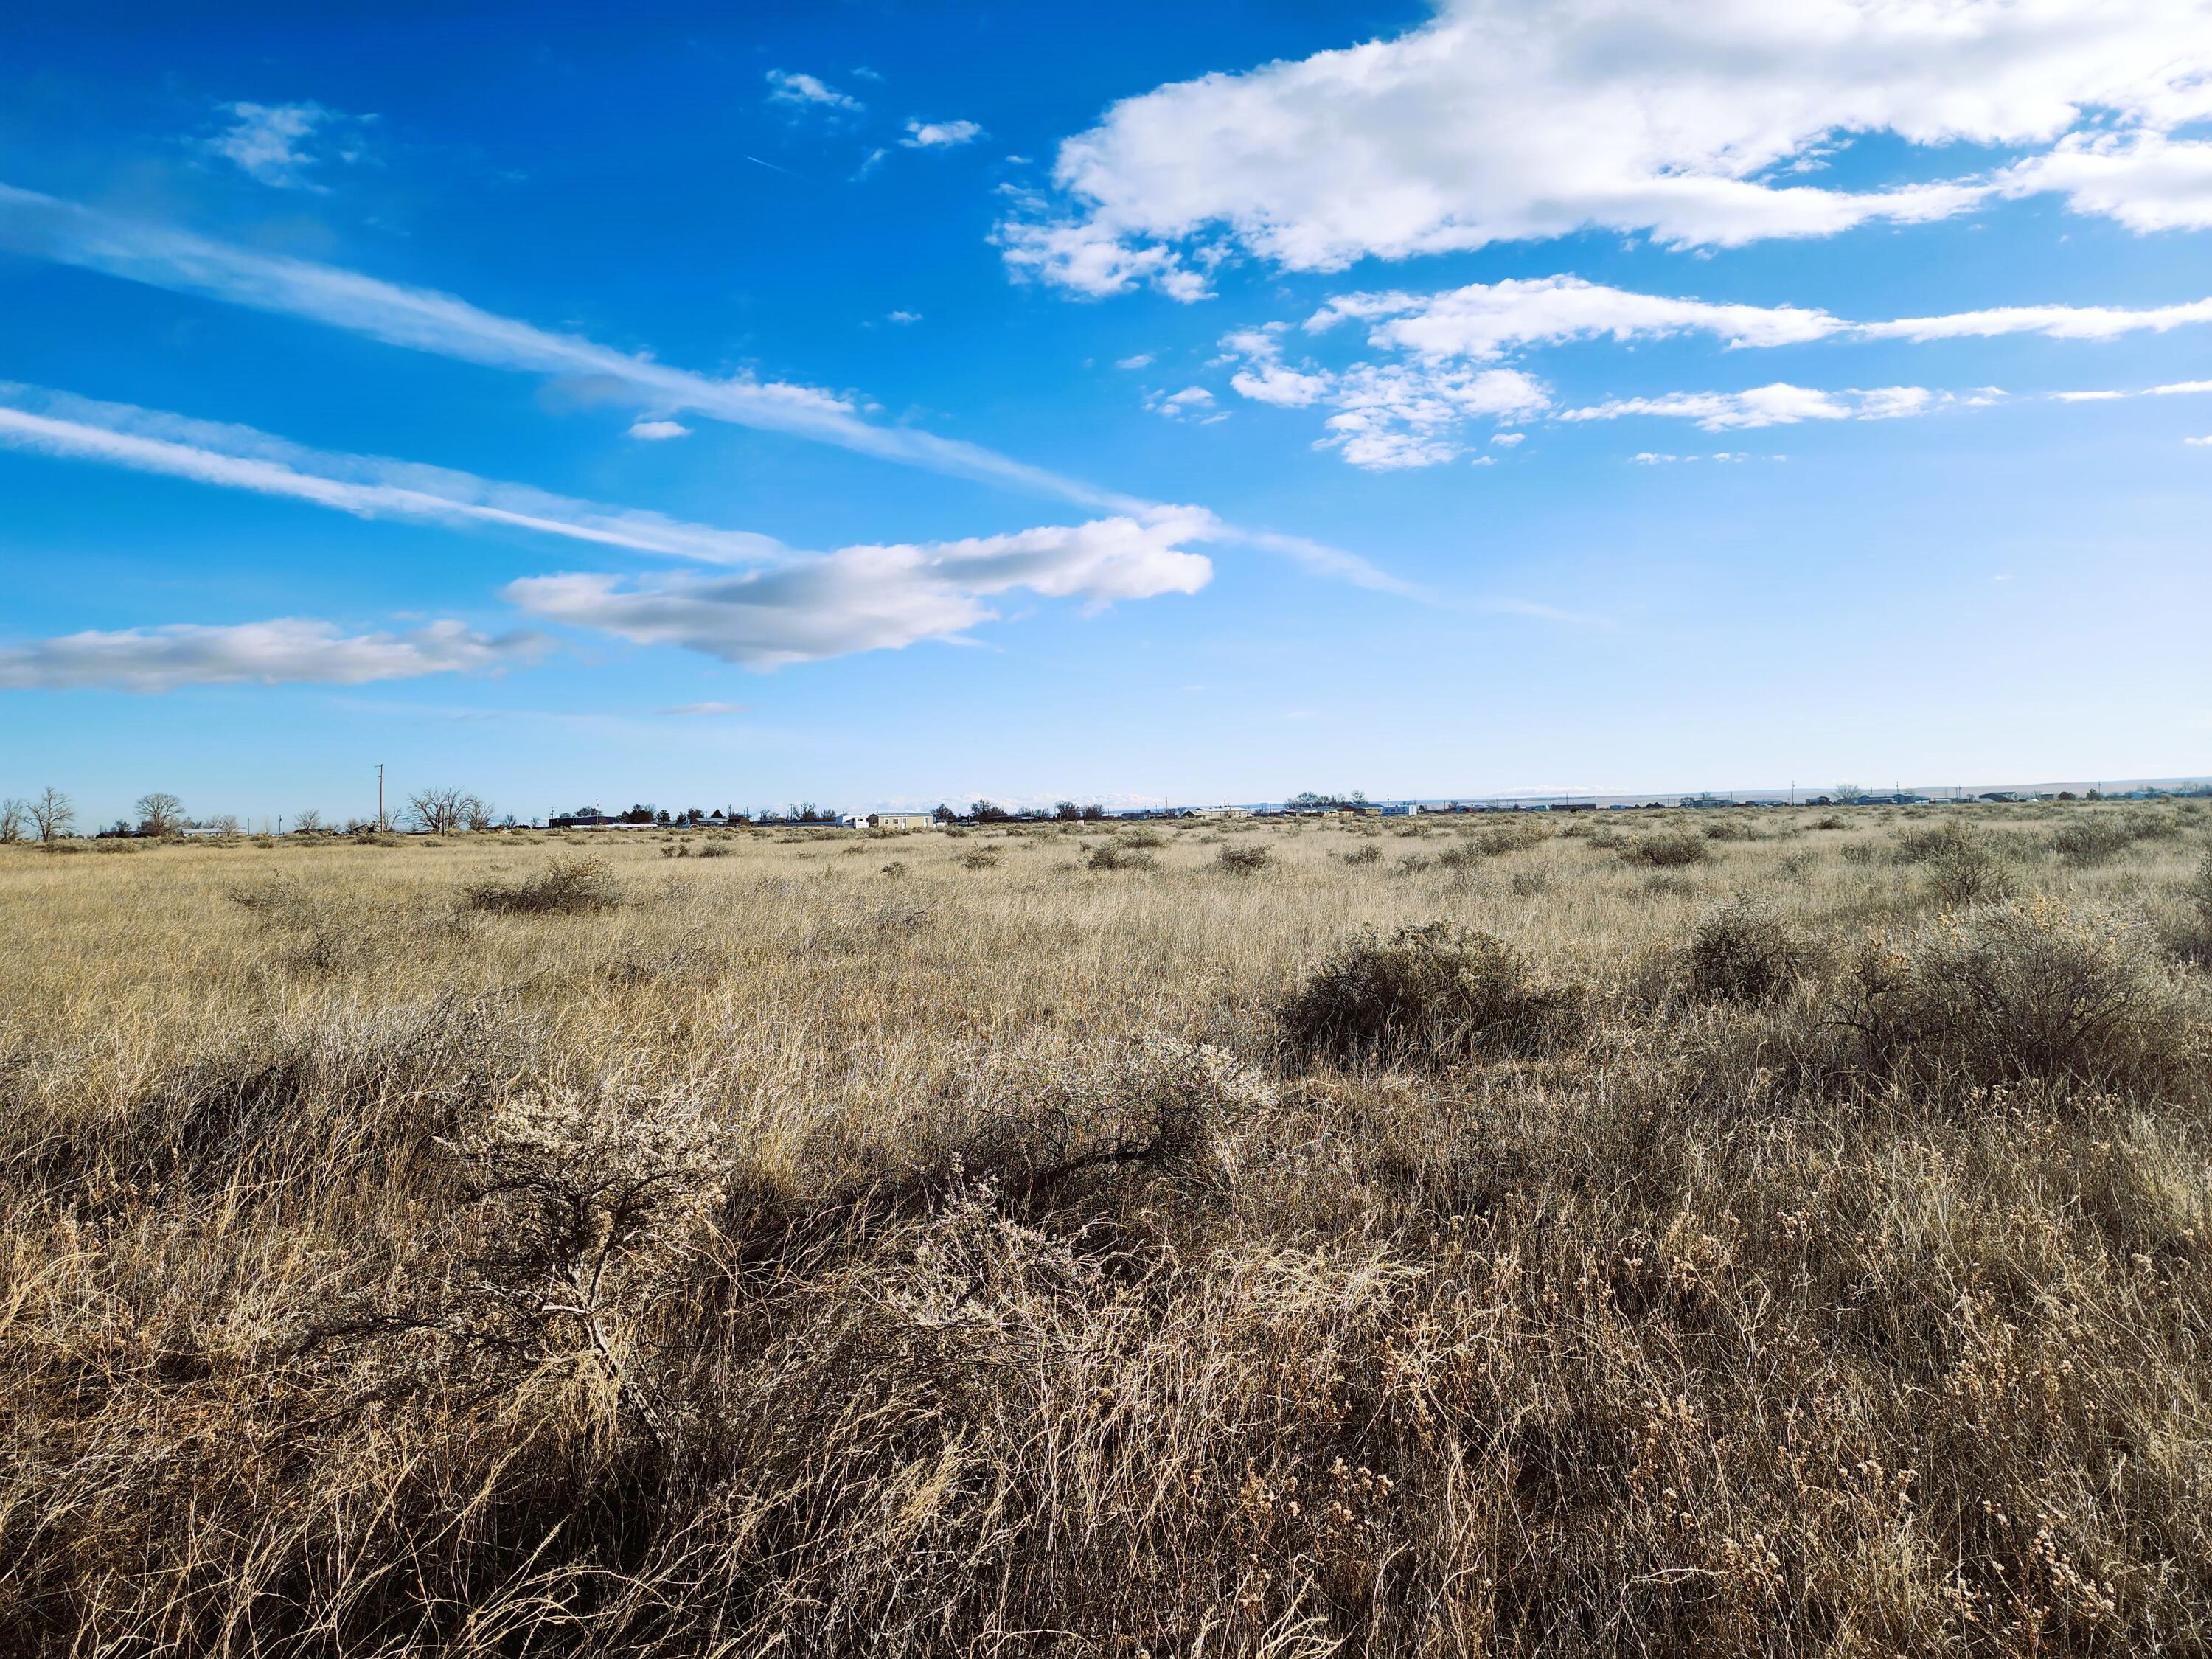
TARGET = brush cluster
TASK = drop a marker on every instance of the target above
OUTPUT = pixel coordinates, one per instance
(1751, 1234)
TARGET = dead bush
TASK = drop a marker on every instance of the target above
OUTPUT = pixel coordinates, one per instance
(1668, 849)
(1968, 871)
(566, 886)
(1428, 994)
(2105, 835)
(1745, 951)
(2195, 943)
(1117, 855)
(1155, 1108)
(2024, 990)
(1244, 861)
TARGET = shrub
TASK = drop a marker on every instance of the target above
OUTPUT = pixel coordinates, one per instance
(2093, 840)
(2196, 944)
(2019, 991)
(1145, 838)
(1425, 995)
(714, 849)
(1745, 951)
(1366, 853)
(1243, 860)
(590, 1205)
(1113, 855)
(1969, 871)
(1668, 849)
(565, 886)
(1154, 1109)
(981, 858)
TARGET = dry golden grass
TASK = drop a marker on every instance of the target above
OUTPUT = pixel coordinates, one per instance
(942, 1244)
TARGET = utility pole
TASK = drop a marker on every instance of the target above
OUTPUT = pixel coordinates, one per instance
(380, 796)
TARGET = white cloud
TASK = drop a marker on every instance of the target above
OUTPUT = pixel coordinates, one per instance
(287, 648)
(1403, 414)
(810, 92)
(1389, 417)
(658, 432)
(903, 318)
(1508, 439)
(1486, 321)
(1778, 404)
(874, 598)
(1142, 360)
(2168, 390)
(1646, 457)
(368, 486)
(1193, 403)
(2146, 180)
(705, 710)
(2058, 322)
(424, 320)
(279, 145)
(1521, 119)
(2198, 440)
(1483, 321)
(1285, 388)
(939, 135)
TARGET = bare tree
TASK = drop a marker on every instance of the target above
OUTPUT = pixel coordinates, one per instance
(53, 814)
(224, 823)
(307, 822)
(159, 813)
(475, 812)
(14, 818)
(440, 810)
(1850, 794)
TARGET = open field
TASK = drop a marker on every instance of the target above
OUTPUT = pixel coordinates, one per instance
(1725, 1233)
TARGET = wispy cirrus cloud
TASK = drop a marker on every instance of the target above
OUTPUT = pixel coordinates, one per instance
(285, 649)
(240, 458)
(790, 605)
(424, 320)
(1778, 404)
(2170, 389)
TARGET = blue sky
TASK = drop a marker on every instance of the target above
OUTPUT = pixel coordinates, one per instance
(877, 405)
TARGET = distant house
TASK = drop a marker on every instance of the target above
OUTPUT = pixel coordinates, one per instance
(1218, 812)
(902, 821)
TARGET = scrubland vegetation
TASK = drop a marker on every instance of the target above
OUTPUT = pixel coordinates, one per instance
(1697, 1234)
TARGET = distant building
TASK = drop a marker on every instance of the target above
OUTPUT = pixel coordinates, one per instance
(1218, 812)
(902, 821)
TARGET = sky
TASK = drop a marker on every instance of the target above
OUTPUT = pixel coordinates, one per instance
(877, 404)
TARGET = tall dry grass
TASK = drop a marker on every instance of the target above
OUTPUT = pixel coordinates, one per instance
(775, 1253)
